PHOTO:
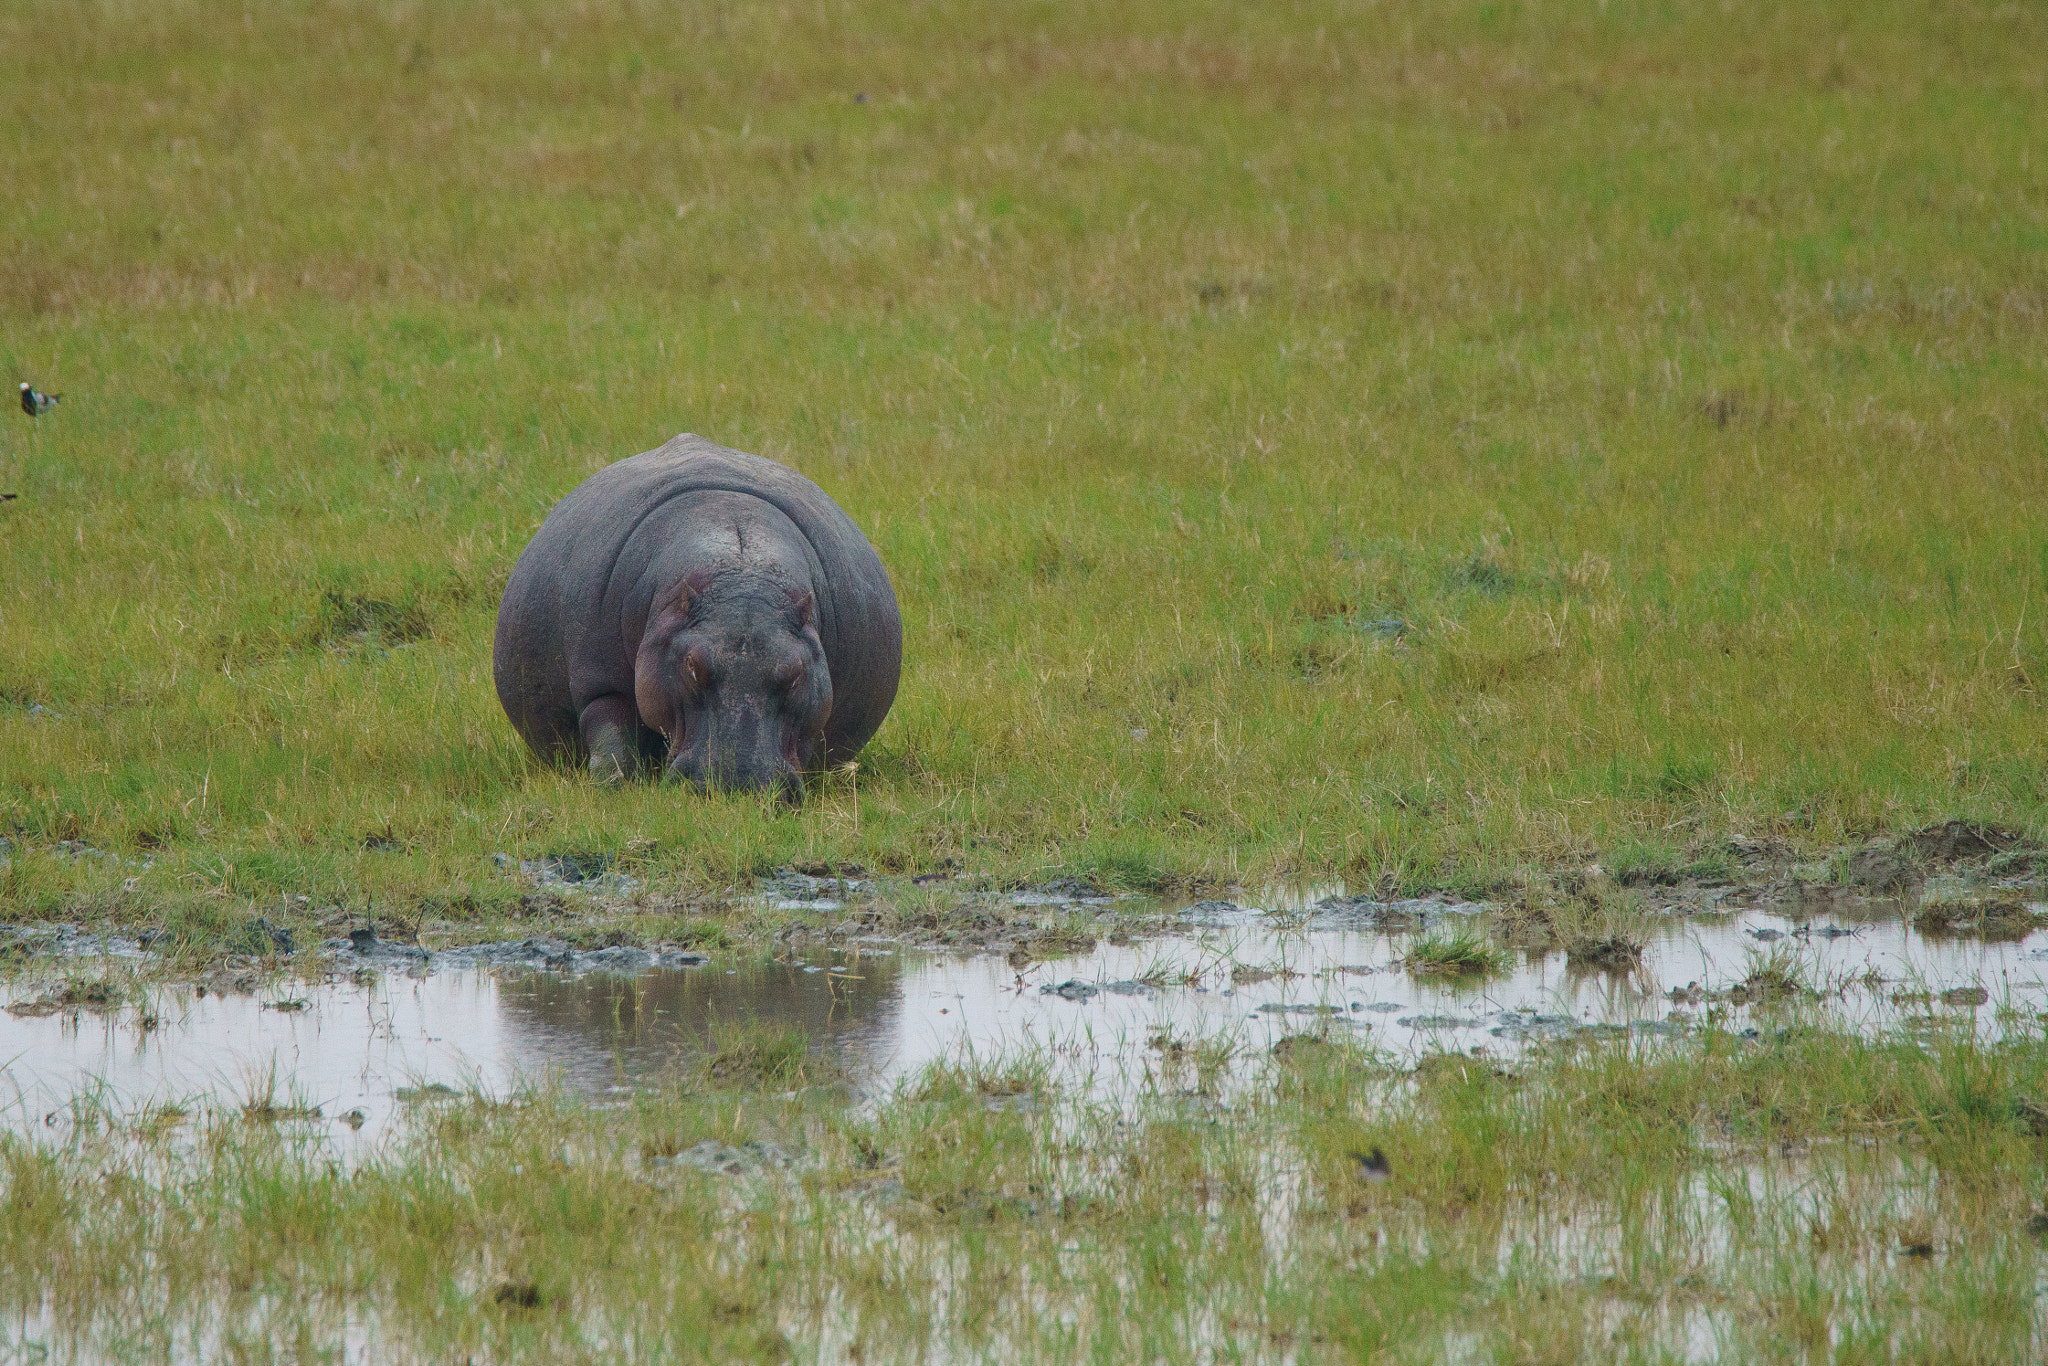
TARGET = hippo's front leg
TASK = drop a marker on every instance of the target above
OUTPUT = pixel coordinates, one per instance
(611, 734)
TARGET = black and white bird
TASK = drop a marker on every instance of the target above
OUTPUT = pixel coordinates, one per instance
(34, 402)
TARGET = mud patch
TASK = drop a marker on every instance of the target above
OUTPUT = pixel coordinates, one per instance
(793, 889)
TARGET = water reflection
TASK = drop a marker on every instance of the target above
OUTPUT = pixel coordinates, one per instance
(1241, 975)
(605, 1029)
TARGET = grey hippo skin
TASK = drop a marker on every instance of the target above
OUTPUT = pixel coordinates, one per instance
(702, 613)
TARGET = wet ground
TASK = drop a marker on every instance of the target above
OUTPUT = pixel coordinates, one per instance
(391, 1025)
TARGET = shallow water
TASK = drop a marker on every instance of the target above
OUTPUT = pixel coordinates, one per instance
(360, 1048)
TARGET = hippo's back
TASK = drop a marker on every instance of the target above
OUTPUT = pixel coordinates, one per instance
(560, 623)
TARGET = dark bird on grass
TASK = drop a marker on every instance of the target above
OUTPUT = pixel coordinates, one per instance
(34, 402)
(1373, 1166)
(8, 497)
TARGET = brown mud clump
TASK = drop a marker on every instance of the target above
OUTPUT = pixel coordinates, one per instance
(1882, 867)
(1999, 921)
(1954, 841)
(97, 996)
(1900, 865)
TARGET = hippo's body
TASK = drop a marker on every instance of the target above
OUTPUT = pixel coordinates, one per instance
(701, 609)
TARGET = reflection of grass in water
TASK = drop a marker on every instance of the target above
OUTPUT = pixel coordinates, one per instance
(1462, 951)
(1345, 1204)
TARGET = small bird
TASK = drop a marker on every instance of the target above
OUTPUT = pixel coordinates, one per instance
(34, 402)
(1373, 1166)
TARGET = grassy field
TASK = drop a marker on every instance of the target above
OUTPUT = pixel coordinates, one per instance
(1404, 443)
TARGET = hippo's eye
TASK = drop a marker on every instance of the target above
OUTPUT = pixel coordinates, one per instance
(789, 676)
(696, 673)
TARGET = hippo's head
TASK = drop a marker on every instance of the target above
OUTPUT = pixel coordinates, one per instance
(731, 670)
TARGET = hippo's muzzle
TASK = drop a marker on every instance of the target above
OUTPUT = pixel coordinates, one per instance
(740, 748)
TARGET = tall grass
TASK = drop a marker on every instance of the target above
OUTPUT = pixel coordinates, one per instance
(1304, 439)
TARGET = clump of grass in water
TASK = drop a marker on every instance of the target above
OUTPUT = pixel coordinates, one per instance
(1300, 1048)
(1461, 952)
(1195, 1065)
(1774, 974)
(770, 1057)
(1598, 931)
(1612, 953)
(101, 995)
(263, 1105)
(1165, 972)
(1068, 938)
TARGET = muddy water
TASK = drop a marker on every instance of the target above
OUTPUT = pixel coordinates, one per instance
(363, 1047)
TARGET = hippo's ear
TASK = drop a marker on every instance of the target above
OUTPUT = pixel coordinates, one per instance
(680, 598)
(652, 692)
(803, 608)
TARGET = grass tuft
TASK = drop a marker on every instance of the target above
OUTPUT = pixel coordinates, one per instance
(264, 1105)
(1463, 951)
(1771, 974)
(759, 1055)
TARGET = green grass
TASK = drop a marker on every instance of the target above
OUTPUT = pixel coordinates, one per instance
(1305, 440)
(1812, 1196)
(1775, 973)
(770, 1056)
(1461, 951)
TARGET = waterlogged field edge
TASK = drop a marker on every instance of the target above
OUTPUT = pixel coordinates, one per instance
(1720, 1197)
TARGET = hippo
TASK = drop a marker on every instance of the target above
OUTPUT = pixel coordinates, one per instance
(703, 614)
